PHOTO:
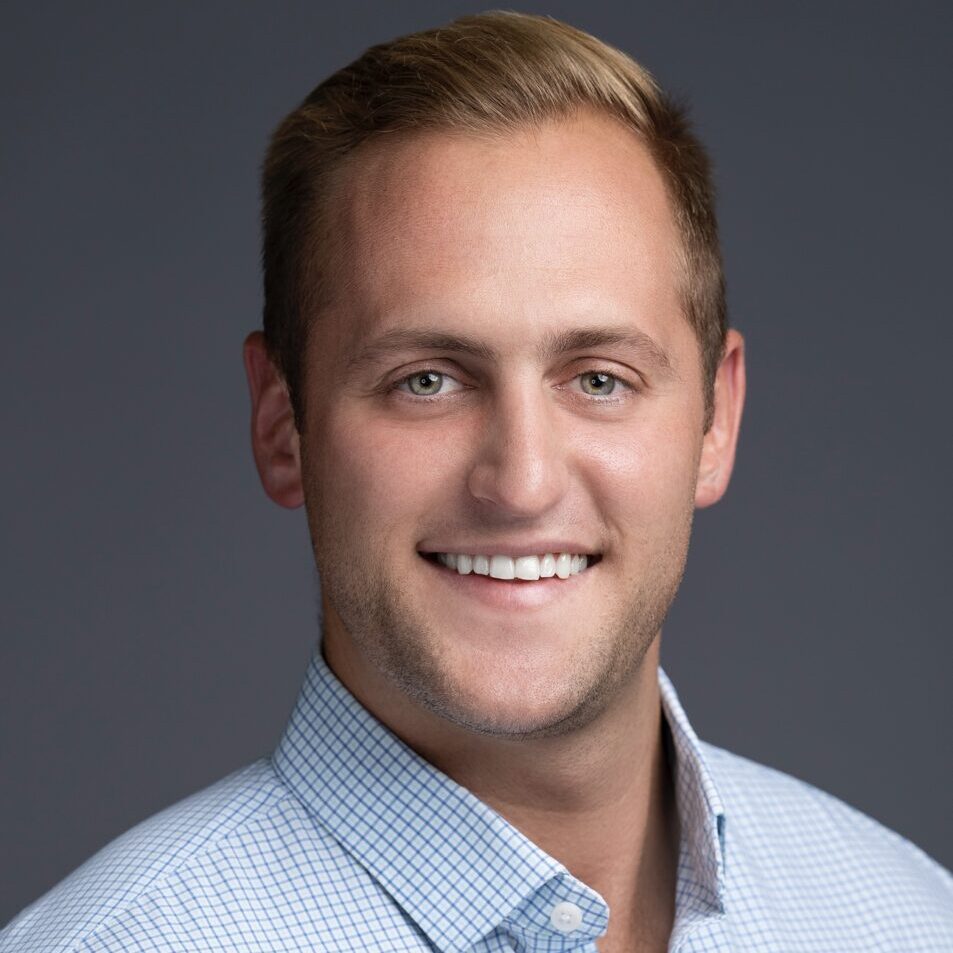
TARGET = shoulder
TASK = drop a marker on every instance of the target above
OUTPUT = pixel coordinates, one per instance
(798, 847)
(212, 843)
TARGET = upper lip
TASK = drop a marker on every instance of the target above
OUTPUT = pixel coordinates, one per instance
(515, 548)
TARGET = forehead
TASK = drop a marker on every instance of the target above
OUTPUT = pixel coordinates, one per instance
(566, 221)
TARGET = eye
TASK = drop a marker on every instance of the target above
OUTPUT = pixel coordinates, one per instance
(598, 383)
(426, 383)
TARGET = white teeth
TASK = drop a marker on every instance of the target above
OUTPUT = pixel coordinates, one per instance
(528, 568)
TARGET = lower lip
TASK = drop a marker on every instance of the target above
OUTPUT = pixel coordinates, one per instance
(506, 594)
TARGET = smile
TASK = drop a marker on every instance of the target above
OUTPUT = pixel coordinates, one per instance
(516, 568)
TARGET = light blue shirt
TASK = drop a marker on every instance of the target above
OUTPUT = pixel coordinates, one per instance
(346, 840)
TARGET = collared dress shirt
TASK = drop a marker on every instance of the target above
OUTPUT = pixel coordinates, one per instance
(346, 840)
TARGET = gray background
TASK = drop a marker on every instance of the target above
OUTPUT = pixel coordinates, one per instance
(158, 610)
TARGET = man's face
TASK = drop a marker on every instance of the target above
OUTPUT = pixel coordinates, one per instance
(507, 372)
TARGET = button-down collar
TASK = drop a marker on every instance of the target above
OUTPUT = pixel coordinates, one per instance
(452, 863)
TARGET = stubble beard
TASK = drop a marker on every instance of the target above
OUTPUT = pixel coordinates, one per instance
(395, 638)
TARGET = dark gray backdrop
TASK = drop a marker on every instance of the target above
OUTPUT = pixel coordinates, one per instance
(158, 610)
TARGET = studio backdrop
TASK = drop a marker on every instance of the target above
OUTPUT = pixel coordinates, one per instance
(158, 611)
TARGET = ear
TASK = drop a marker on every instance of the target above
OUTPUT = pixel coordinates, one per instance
(274, 437)
(718, 446)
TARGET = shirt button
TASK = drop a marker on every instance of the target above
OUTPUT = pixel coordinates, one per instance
(566, 917)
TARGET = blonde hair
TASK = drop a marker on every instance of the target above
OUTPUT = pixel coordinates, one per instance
(481, 74)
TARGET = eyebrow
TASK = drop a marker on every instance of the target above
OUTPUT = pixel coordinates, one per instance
(554, 344)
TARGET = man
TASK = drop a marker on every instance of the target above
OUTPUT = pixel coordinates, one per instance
(495, 370)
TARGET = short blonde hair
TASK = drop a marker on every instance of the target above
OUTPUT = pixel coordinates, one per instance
(491, 72)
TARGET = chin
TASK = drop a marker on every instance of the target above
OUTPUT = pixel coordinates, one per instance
(490, 671)
(508, 699)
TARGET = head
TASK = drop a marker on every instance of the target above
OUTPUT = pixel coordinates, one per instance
(494, 326)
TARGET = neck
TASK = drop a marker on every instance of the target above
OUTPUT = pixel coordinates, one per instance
(600, 800)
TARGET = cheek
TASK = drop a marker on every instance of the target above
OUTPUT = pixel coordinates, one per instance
(644, 475)
(380, 475)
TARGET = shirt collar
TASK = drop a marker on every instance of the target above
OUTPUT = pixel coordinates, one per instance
(701, 866)
(400, 816)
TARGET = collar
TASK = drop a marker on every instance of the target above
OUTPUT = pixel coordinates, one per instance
(700, 893)
(451, 862)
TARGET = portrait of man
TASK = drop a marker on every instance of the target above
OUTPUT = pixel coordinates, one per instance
(496, 373)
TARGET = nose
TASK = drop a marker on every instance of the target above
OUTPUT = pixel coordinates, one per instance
(519, 465)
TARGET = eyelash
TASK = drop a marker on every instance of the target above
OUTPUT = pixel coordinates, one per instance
(397, 386)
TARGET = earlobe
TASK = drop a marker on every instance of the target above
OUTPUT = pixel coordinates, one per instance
(720, 442)
(274, 437)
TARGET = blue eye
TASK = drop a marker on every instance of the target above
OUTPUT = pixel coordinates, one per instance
(596, 383)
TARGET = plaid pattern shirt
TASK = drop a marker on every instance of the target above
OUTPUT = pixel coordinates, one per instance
(346, 840)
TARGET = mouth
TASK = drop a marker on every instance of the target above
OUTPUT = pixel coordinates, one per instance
(515, 569)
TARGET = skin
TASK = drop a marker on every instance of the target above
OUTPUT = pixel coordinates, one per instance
(543, 698)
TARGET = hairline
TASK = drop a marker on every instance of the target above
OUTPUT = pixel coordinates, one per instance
(324, 267)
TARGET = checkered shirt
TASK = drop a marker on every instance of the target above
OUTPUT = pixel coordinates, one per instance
(346, 840)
